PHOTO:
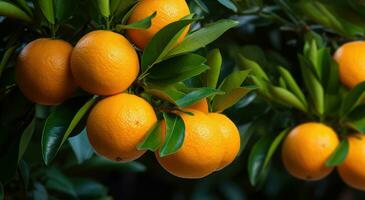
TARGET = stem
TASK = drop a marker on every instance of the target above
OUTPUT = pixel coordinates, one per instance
(107, 23)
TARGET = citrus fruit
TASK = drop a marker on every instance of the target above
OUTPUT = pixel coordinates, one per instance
(104, 63)
(167, 11)
(201, 151)
(231, 138)
(117, 124)
(307, 148)
(352, 170)
(201, 105)
(351, 60)
(43, 71)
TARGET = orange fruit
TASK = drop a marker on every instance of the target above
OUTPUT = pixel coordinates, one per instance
(104, 63)
(168, 11)
(352, 170)
(117, 124)
(307, 148)
(231, 138)
(202, 150)
(43, 71)
(201, 105)
(351, 60)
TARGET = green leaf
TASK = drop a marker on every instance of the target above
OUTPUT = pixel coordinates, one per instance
(196, 95)
(228, 4)
(140, 25)
(285, 97)
(25, 6)
(25, 138)
(253, 66)
(39, 192)
(273, 147)
(81, 147)
(354, 98)
(162, 43)
(256, 159)
(202, 5)
(292, 85)
(1, 191)
(169, 93)
(177, 69)
(56, 181)
(88, 188)
(214, 61)
(6, 57)
(24, 173)
(152, 141)
(203, 37)
(55, 128)
(64, 9)
(119, 6)
(222, 102)
(356, 119)
(254, 53)
(234, 80)
(47, 9)
(10, 10)
(339, 155)
(104, 7)
(263, 86)
(174, 136)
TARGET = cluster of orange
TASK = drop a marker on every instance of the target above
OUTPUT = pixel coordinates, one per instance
(105, 63)
(308, 146)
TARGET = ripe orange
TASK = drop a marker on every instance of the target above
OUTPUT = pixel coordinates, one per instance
(43, 71)
(201, 105)
(351, 60)
(306, 150)
(104, 63)
(202, 150)
(117, 124)
(231, 138)
(352, 170)
(168, 11)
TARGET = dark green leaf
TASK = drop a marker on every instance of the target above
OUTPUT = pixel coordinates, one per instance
(255, 54)
(10, 10)
(228, 4)
(202, 5)
(140, 25)
(197, 95)
(81, 147)
(88, 189)
(56, 181)
(174, 136)
(203, 37)
(339, 155)
(356, 119)
(47, 9)
(152, 141)
(256, 159)
(353, 99)
(64, 9)
(24, 173)
(25, 6)
(39, 192)
(6, 57)
(25, 138)
(169, 93)
(273, 147)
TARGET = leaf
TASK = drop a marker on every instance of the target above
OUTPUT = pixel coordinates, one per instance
(356, 119)
(254, 53)
(140, 25)
(24, 5)
(234, 80)
(339, 155)
(104, 7)
(39, 192)
(292, 85)
(353, 99)
(25, 138)
(274, 145)
(88, 188)
(174, 136)
(10, 10)
(228, 4)
(196, 95)
(24, 173)
(81, 147)
(169, 93)
(256, 159)
(64, 9)
(6, 57)
(162, 42)
(152, 141)
(56, 126)
(56, 181)
(177, 69)
(203, 37)
(47, 9)
(222, 102)
(253, 66)
(285, 97)
(202, 5)
(214, 61)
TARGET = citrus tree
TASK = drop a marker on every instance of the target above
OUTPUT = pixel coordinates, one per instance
(231, 99)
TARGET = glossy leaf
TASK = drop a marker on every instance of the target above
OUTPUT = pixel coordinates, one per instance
(139, 25)
(12, 11)
(174, 136)
(234, 80)
(152, 141)
(214, 61)
(228, 4)
(197, 95)
(24, 173)
(169, 93)
(353, 99)
(55, 128)
(162, 43)
(356, 119)
(222, 102)
(47, 9)
(256, 159)
(104, 7)
(202, 5)
(6, 57)
(339, 155)
(292, 85)
(81, 147)
(203, 37)
(25, 6)
(25, 138)
(273, 147)
(56, 181)
(285, 97)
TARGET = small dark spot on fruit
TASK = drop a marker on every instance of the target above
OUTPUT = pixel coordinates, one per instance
(118, 159)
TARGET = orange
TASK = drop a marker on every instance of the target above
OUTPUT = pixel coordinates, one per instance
(168, 11)
(117, 124)
(43, 71)
(104, 63)
(306, 150)
(351, 60)
(202, 150)
(231, 138)
(201, 105)
(352, 170)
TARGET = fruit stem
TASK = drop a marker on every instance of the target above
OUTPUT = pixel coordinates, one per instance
(107, 23)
